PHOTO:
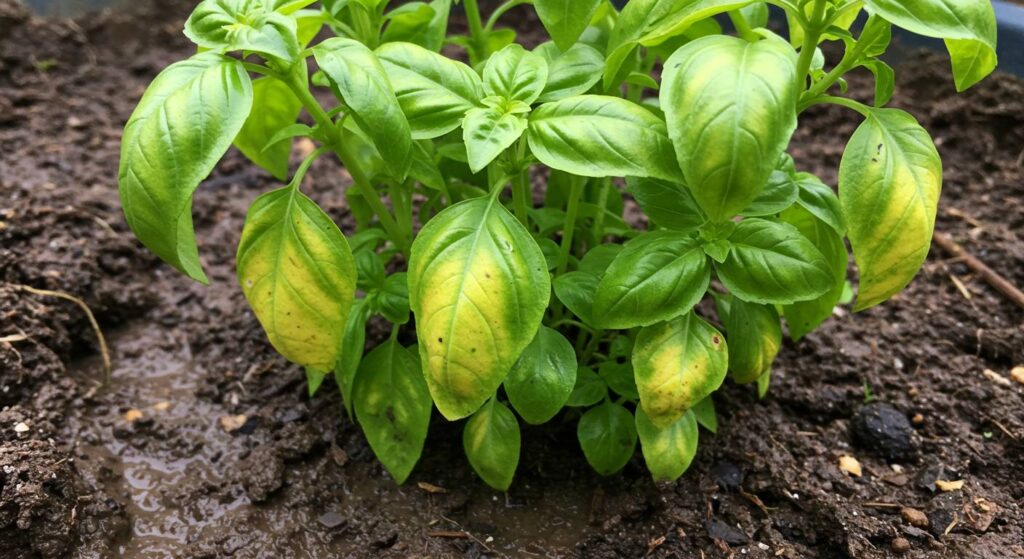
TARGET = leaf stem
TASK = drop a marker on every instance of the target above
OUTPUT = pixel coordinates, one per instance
(500, 11)
(476, 30)
(571, 212)
(844, 102)
(739, 21)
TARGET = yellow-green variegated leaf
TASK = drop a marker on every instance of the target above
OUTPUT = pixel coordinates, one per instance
(183, 124)
(967, 26)
(478, 285)
(730, 106)
(298, 275)
(667, 451)
(889, 183)
(278, 108)
(677, 364)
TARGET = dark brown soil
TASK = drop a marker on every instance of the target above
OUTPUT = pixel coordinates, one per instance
(148, 467)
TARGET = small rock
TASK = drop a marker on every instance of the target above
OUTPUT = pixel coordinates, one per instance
(900, 545)
(339, 456)
(943, 513)
(232, 423)
(996, 377)
(720, 530)
(850, 465)
(262, 473)
(927, 476)
(1017, 374)
(21, 427)
(914, 517)
(883, 429)
(727, 475)
(918, 419)
(331, 519)
(132, 415)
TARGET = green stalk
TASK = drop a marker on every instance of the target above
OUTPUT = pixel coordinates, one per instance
(602, 204)
(476, 30)
(500, 11)
(739, 21)
(812, 31)
(571, 212)
(349, 160)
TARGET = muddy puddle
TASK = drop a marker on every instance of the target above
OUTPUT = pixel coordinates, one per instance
(176, 463)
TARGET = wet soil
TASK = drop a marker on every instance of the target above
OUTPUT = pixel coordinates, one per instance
(205, 444)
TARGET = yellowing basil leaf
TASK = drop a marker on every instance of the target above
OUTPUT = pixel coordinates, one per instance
(393, 407)
(565, 20)
(479, 286)
(278, 108)
(755, 336)
(491, 440)
(572, 72)
(435, 92)
(542, 379)
(183, 124)
(515, 74)
(607, 435)
(677, 364)
(298, 275)
(668, 205)
(889, 183)
(772, 263)
(248, 25)
(601, 136)
(804, 316)
(967, 26)
(314, 378)
(667, 451)
(358, 78)
(657, 276)
(487, 132)
(730, 106)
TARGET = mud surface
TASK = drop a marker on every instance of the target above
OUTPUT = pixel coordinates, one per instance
(205, 444)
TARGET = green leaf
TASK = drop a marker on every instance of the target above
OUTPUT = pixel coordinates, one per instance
(756, 14)
(730, 106)
(298, 275)
(393, 407)
(755, 336)
(249, 25)
(804, 316)
(424, 167)
(619, 377)
(601, 136)
(434, 92)
(314, 378)
(704, 412)
(576, 291)
(287, 7)
(515, 74)
(491, 440)
(967, 26)
(565, 20)
(542, 379)
(589, 389)
(819, 199)
(889, 182)
(370, 269)
(667, 451)
(358, 78)
(278, 108)
(666, 204)
(657, 276)
(350, 354)
(842, 23)
(885, 81)
(183, 124)
(488, 132)
(393, 299)
(677, 364)
(607, 434)
(429, 34)
(570, 73)
(773, 263)
(479, 286)
(597, 259)
(763, 383)
(779, 194)
(308, 24)
(652, 22)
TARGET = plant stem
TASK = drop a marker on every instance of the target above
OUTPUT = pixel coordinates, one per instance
(602, 203)
(739, 21)
(349, 160)
(500, 11)
(844, 102)
(811, 34)
(476, 30)
(571, 211)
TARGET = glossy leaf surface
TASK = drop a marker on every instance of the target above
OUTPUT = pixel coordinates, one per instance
(667, 451)
(491, 440)
(607, 435)
(542, 379)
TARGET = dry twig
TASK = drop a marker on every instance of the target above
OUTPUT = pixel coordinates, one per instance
(997, 281)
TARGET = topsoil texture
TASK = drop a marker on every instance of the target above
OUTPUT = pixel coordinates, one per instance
(204, 443)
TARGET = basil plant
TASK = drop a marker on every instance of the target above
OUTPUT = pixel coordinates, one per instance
(526, 300)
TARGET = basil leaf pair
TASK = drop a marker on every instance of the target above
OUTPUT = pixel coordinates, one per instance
(246, 25)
